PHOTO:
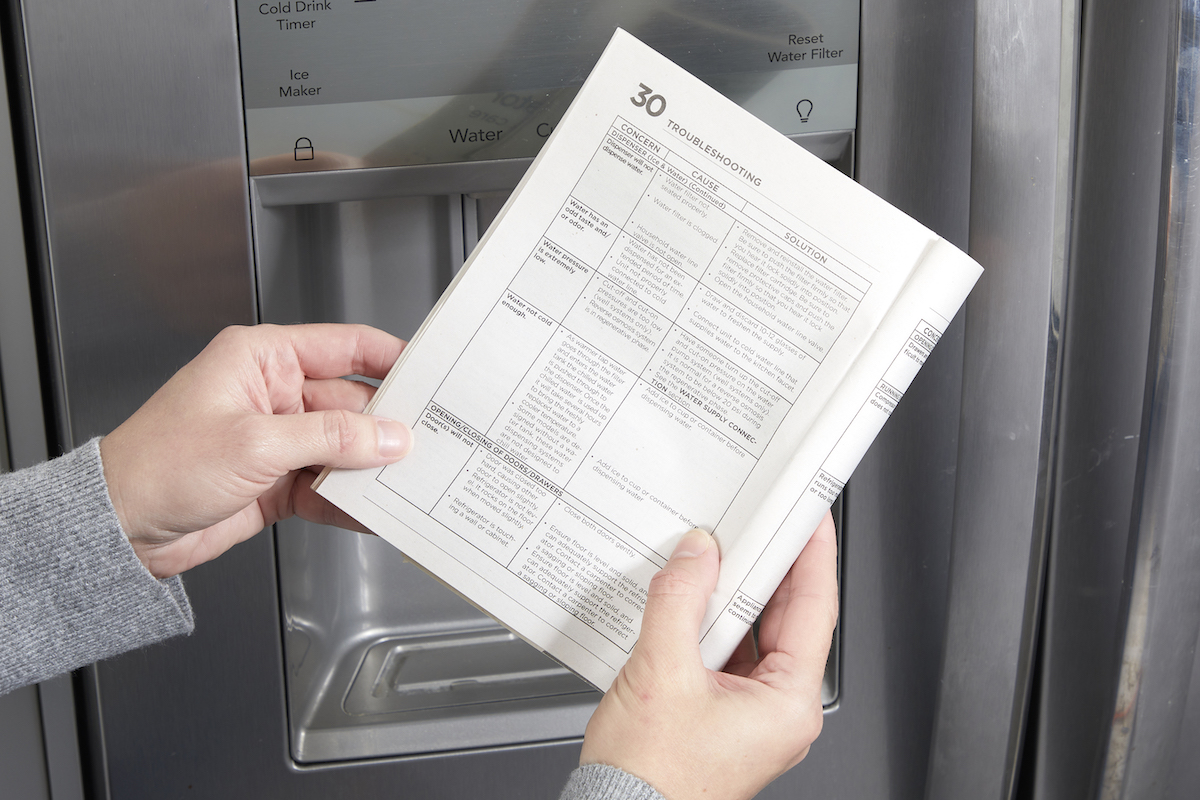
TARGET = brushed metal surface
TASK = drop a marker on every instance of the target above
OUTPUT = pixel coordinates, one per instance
(1025, 63)
(912, 148)
(24, 438)
(140, 218)
(1163, 595)
(1107, 326)
(1184, 778)
(41, 750)
(143, 184)
(23, 770)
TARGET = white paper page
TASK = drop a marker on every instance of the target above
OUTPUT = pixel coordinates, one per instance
(822, 464)
(645, 341)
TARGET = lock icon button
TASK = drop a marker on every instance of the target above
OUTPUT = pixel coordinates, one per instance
(304, 149)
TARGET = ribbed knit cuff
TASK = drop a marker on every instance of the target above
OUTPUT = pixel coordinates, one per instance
(72, 591)
(602, 782)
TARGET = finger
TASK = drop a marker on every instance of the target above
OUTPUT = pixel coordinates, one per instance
(309, 505)
(334, 438)
(774, 613)
(800, 617)
(331, 351)
(745, 656)
(175, 555)
(676, 600)
(293, 495)
(322, 395)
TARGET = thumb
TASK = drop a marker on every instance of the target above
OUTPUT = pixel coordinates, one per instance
(677, 597)
(337, 438)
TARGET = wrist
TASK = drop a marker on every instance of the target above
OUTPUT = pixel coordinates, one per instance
(109, 462)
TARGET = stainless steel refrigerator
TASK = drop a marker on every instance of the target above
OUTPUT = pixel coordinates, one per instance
(1019, 575)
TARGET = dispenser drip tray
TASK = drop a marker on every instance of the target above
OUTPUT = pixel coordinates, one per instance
(383, 661)
(413, 693)
(420, 673)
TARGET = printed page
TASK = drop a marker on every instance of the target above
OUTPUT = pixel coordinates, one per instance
(674, 322)
(825, 458)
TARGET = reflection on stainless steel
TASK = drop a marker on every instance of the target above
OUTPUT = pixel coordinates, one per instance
(108, 135)
(45, 713)
(1111, 289)
(1164, 594)
(148, 222)
(1020, 187)
(23, 442)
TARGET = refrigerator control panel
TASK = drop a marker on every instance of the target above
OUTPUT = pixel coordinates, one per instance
(344, 84)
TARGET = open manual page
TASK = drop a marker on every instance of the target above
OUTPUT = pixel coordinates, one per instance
(679, 319)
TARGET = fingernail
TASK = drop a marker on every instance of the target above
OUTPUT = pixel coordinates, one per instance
(694, 543)
(395, 439)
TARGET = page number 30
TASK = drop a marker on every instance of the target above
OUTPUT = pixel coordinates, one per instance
(654, 104)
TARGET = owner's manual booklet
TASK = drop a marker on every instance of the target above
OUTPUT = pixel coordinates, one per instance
(679, 319)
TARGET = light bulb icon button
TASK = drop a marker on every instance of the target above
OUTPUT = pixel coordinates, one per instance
(804, 108)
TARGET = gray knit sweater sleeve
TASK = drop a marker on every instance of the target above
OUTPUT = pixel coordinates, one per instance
(71, 589)
(602, 782)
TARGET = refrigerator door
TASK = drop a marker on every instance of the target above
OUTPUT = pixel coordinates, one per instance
(160, 223)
